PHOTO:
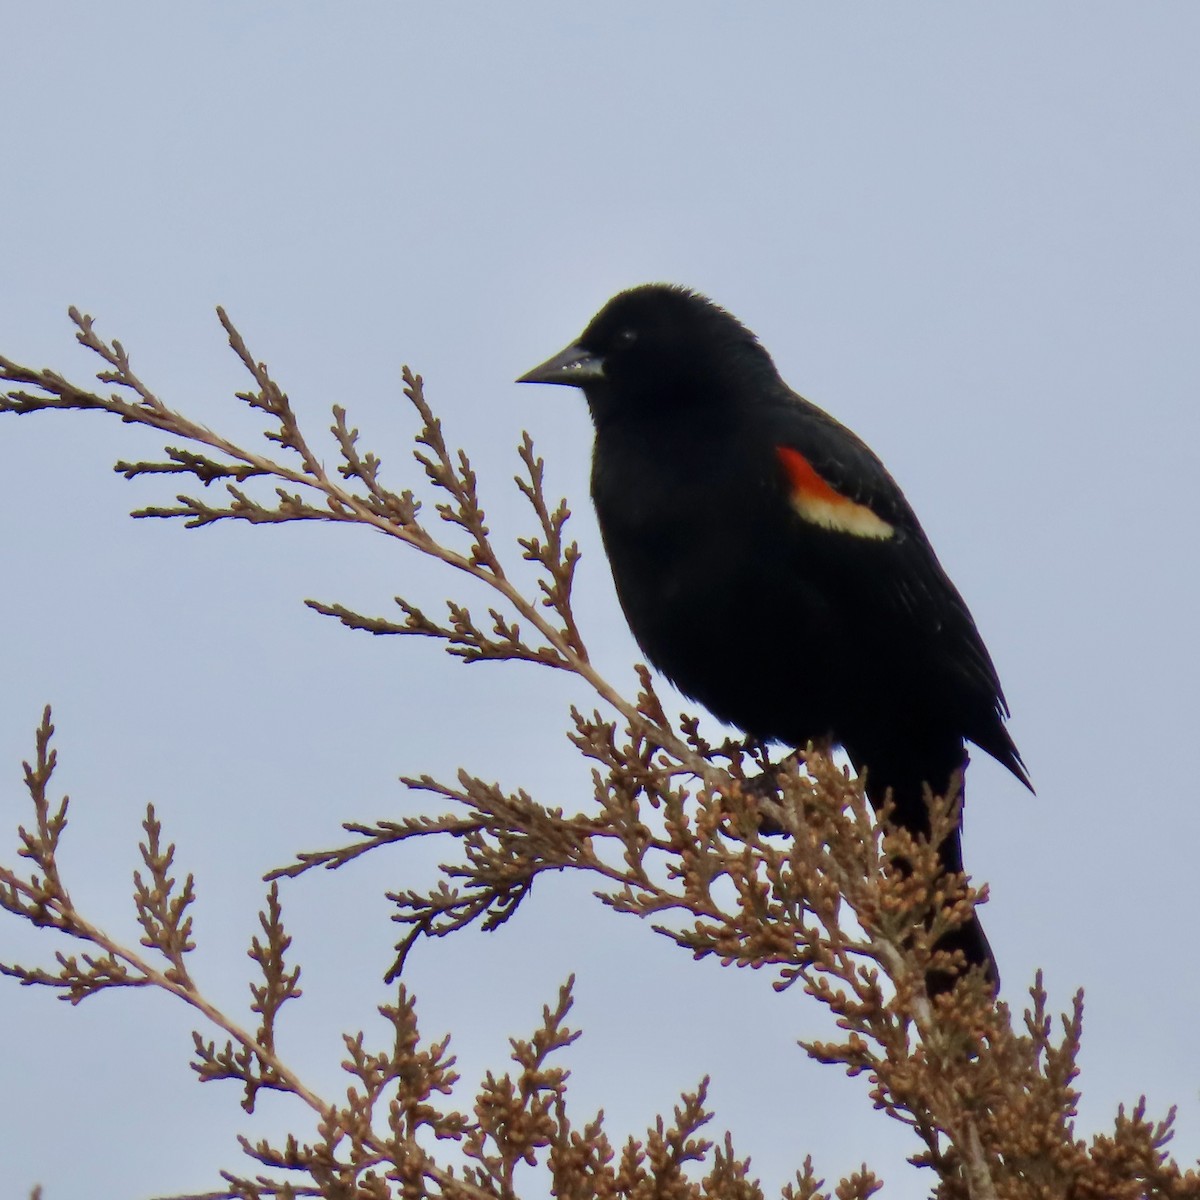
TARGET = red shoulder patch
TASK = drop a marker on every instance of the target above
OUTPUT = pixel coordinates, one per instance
(804, 478)
(818, 502)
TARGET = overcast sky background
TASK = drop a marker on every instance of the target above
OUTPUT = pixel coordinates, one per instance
(968, 231)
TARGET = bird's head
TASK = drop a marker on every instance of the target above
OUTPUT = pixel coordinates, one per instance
(656, 348)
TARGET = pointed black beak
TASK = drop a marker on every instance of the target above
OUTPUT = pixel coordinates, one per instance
(573, 366)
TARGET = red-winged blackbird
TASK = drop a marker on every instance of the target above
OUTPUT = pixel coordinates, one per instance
(770, 566)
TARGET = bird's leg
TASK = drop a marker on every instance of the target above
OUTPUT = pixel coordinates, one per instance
(765, 785)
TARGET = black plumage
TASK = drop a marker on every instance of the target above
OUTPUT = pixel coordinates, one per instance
(769, 565)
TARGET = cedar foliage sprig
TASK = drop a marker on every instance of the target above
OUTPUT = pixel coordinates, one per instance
(676, 829)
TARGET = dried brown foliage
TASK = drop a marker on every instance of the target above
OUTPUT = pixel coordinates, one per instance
(671, 831)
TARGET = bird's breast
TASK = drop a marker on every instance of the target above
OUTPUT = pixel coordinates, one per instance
(674, 510)
(686, 531)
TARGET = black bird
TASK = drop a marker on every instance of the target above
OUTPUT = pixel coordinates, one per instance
(768, 564)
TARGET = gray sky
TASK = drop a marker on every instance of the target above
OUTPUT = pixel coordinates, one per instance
(968, 231)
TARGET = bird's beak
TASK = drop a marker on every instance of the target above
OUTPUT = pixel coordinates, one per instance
(573, 366)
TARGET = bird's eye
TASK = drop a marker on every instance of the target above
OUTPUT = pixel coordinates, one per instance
(626, 337)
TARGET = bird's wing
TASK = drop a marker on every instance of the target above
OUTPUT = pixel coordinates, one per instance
(828, 465)
(834, 480)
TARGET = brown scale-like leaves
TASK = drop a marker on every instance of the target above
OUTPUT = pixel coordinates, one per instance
(780, 866)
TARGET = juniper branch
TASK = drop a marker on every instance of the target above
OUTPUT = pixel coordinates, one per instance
(675, 832)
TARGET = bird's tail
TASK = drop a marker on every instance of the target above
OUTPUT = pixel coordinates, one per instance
(911, 811)
(968, 937)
